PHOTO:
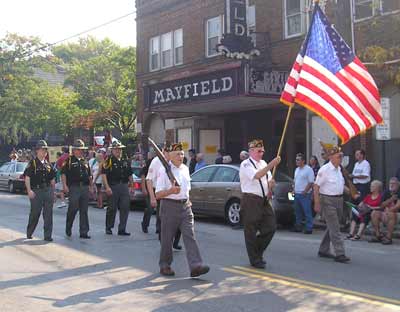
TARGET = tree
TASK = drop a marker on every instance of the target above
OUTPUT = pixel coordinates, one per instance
(103, 74)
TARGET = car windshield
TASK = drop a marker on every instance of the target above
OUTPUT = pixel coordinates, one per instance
(21, 166)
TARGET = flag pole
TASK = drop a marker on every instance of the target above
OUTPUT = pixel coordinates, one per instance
(283, 135)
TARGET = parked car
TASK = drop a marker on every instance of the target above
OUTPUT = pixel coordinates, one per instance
(137, 196)
(12, 176)
(216, 192)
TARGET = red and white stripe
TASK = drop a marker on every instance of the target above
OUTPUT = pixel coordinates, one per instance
(349, 101)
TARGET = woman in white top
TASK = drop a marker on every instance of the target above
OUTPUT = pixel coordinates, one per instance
(95, 165)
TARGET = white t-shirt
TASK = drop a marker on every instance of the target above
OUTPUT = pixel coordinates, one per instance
(181, 175)
(248, 183)
(302, 177)
(330, 180)
(94, 168)
(154, 170)
(362, 168)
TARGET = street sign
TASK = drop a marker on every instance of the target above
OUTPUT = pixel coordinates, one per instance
(383, 131)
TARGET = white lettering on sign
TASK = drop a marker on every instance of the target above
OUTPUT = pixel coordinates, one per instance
(193, 90)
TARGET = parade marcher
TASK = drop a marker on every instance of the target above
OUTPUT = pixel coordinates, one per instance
(39, 181)
(151, 182)
(361, 174)
(257, 214)
(117, 175)
(148, 210)
(95, 165)
(328, 196)
(176, 213)
(303, 182)
(77, 182)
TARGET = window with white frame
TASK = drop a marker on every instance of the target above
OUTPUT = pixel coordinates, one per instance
(154, 53)
(213, 35)
(363, 9)
(251, 22)
(178, 46)
(166, 50)
(388, 6)
(294, 18)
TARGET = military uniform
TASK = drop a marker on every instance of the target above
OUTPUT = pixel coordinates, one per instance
(118, 173)
(41, 175)
(258, 216)
(78, 179)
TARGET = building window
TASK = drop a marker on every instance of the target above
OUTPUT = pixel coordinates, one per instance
(154, 53)
(166, 50)
(214, 34)
(364, 9)
(388, 6)
(294, 18)
(251, 22)
(178, 46)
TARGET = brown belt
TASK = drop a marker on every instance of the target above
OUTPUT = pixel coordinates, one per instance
(180, 201)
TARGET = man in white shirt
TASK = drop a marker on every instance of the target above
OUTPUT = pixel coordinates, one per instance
(257, 214)
(176, 213)
(303, 182)
(361, 174)
(328, 195)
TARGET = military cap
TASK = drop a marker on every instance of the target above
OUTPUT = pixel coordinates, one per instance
(79, 144)
(330, 149)
(256, 143)
(116, 144)
(167, 147)
(41, 144)
(176, 147)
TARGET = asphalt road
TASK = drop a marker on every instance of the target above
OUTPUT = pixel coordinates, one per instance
(112, 273)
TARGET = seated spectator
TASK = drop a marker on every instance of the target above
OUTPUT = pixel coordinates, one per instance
(243, 155)
(200, 162)
(387, 214)
(370, 203)
(227, 159)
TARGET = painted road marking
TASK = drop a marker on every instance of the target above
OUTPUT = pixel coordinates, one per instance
(315, 287)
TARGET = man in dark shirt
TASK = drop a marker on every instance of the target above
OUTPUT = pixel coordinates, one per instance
(192, 163)
(148, 211)
(387, 214)
(116, 174)
(77, 181)
(39, 181)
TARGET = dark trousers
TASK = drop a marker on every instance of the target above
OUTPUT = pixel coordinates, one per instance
(120, 200)
(43, 200)
(147, 213)
(78, 201)
(258, 217)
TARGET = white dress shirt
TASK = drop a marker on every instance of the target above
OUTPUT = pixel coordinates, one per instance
(302, 177)
(362, 168)
(248, 182)
(181, 175)
(330, 180)
(154, 170)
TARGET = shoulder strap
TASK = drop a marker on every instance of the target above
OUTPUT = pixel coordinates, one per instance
(259, 180)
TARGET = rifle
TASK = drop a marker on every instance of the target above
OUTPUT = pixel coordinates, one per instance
(164, 162)
(353, 190)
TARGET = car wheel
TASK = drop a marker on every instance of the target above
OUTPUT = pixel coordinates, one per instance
(11, 187)
(232, 212)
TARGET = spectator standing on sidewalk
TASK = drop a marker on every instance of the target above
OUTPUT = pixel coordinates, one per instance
(303, 183)
(192, 162)
(328, 196)
(387, 214)
(220, 156)
(361, 174)
(200, 162)
(314, 164)
(95, 165)
(243, 155)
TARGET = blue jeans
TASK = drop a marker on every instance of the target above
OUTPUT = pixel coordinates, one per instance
(302, 205)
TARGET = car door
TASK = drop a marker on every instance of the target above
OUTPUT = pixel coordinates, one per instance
(4, 175)
(219, 190)
(10, 173)
(199, 180)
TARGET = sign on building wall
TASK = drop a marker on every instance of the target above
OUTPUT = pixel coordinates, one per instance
(383, 131)
(235, 42)
(267, 82)
(196, 88)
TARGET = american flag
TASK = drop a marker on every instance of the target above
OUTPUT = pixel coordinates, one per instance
(328, 79)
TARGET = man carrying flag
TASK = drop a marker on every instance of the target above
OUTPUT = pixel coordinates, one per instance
(328, 79)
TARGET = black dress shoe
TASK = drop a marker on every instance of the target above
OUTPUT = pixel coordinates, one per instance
(108, 231)
(258, 265)
(307, 231)
(68, 232)
(48, 239)
(177, 247)
(342, 259)
(295, 230)
(84, 236)
(326, 255)
(144, 229)
(29, 236)
(123, 233)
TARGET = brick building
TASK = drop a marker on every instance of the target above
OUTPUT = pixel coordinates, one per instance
(187, 91)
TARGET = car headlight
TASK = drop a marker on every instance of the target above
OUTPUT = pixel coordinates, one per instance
(290, 195)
